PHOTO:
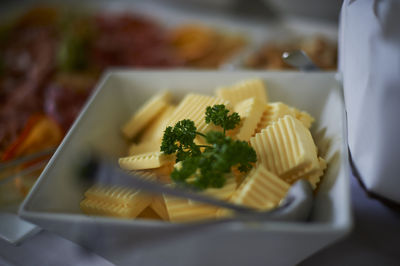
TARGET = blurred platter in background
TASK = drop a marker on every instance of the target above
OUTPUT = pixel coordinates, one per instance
(322, 52)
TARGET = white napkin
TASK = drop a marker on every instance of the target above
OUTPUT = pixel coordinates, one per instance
(369, 59)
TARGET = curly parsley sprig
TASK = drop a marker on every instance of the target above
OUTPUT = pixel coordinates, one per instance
(219, 115)
(204, 166)
(180, 140)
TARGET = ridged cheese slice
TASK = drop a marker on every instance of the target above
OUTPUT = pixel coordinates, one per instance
(147, 175)
(179, 210)
(144, 147)
(274, 111)
(315, 178)
(301, 173)
(155, 131)
(220, 193)
(149, 110)
(159, 207)
(250, 88)
(193, 107)
(286, 147)
(304, 117)
(161, 174)
(104, 208)
(261, 190)
(312, 173)
(164, 172)
(250, 112)
(145, 161)
(115, 201)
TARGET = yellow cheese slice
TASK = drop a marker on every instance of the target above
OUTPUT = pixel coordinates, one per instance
(103, 208)
(145, 161)
(164, 172)
(220, 193)
(315, 178)
(312, 173)
(156, 129)
(261, 190)
(301, 173)
(322, 163)
(243, 90)
(274, 111)
(250, 112)
(144, 147)
(304, 117)
(148, 175)
(117, 195)
(179, 210)
(286, 148)
(149, 110)
(152, 136)
(193, 107)
(149, 214)
(159, 207)
(161, 174)
(115, 201)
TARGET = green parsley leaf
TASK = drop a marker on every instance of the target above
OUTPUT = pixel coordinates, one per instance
(187, 169)
(185, 132)
(169, 142)
(180, 140)
(218, 114)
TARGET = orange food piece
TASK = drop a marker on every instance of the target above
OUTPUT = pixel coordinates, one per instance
(204, 47)
(193, 41)
(40, 132)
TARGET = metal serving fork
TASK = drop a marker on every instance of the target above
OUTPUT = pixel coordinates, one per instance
(9, 165)
(296, 205)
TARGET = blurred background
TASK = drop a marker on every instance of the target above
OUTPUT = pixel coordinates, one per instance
(52, 54)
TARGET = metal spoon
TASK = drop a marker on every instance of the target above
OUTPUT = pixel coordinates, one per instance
(300, 60)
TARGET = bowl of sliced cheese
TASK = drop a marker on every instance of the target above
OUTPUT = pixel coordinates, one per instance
(293, 122)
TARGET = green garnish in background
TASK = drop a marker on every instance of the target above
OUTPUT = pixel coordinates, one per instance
(204, 166)
(72, 53)
(76, 36)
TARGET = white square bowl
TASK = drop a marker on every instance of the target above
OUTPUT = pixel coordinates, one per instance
(53, 203)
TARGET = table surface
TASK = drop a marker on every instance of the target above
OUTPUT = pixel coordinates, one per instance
(374, 240)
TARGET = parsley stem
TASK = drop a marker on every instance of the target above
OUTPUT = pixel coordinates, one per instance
(204, 146)
(200, 134)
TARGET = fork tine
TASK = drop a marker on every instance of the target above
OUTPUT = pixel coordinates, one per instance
(26, 158)
(24, 172)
